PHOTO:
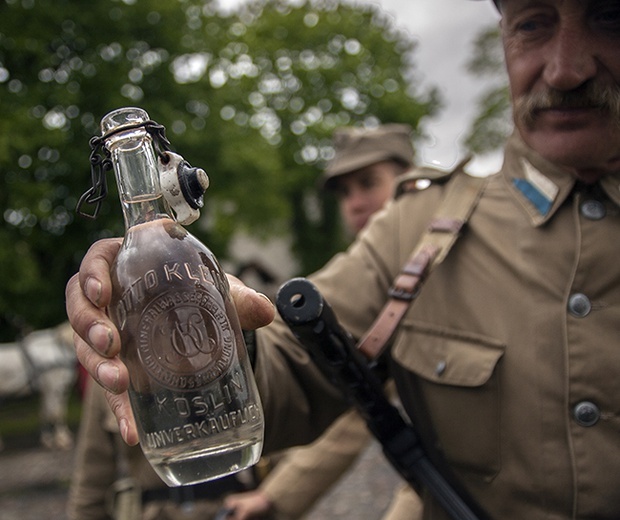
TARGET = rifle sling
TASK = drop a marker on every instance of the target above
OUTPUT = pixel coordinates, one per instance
(463, 193)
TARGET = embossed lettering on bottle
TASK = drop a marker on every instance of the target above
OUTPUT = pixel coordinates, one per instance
(192, 389)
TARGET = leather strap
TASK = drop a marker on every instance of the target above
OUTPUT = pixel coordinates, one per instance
(462, 195)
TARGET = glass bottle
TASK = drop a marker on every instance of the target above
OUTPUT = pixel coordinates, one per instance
(192, 389)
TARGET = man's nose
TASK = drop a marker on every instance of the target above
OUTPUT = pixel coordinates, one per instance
(571, 61)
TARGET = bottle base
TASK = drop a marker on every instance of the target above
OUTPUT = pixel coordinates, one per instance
(184, 467)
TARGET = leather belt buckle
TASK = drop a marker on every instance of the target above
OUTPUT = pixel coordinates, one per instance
(398, 293)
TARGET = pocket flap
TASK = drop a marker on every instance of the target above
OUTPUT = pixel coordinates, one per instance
(447, 357)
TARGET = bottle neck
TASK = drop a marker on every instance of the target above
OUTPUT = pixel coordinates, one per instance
(137, 177)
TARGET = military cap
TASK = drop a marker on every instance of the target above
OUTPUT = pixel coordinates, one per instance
(496, 2)
(356, 148)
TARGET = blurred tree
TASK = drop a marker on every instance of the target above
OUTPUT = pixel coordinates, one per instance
(62, 66)
(312, 68)
(493, 122)
(252, 97)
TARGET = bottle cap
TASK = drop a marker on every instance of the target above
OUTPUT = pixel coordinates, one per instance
(183, 186)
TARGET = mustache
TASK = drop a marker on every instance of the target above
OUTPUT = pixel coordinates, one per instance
(605, 98)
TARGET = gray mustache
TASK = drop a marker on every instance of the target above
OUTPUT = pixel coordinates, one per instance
(592, 95)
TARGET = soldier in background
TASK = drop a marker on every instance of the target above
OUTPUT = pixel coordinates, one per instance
(363, 174)
(115, 481)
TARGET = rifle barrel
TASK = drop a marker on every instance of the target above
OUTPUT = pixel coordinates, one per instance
(313, 322)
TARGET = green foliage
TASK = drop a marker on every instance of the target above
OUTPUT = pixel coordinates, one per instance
(493, 122)
(252, 97)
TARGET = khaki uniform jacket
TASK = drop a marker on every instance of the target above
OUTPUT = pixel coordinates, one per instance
(508, 361)
(306, 473)
(103, 458)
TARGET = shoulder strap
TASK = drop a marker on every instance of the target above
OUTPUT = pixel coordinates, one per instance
(457, 205)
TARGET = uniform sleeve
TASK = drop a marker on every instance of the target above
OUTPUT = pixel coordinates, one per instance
(95, 463)
(308, 472)
(299, 403)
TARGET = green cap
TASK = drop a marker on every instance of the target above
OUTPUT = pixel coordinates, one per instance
(356, 148)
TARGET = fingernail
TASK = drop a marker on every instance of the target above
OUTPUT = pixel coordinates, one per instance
(100, 337)
(124, 429)
(265, 296)
(92, 289)
(108, 375)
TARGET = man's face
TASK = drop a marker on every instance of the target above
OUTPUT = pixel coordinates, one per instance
(563, 60)
(363, 192)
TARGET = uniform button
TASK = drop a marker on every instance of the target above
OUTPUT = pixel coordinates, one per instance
(593, 209)
(586, 413)
(579, 305)
(440, 368)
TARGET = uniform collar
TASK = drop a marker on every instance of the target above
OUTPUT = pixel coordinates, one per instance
(611, 185)
(539, 186)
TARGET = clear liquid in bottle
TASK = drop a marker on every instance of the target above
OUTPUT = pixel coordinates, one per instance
(198, 413)
(192, 389)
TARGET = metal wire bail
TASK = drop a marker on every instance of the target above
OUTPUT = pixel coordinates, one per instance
(100, 163)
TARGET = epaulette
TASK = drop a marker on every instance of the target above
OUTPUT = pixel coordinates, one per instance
(420, 178)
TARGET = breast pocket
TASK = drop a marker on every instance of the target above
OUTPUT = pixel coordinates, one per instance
(456, 377)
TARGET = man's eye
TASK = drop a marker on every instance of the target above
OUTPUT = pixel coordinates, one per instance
(609, 17)
(534, 21)
(341, 194)
(527, 26)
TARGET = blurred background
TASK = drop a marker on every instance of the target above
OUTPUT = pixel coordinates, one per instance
(251, 91)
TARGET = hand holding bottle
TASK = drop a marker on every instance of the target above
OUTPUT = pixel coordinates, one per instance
(172, 320)
(97, 341)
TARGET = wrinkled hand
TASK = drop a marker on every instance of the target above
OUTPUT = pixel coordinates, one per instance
(97, 341)
(251, 505)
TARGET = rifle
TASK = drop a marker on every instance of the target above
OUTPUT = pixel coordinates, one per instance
(314, 324)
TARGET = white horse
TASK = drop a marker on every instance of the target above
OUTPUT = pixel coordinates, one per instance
(44, 361)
